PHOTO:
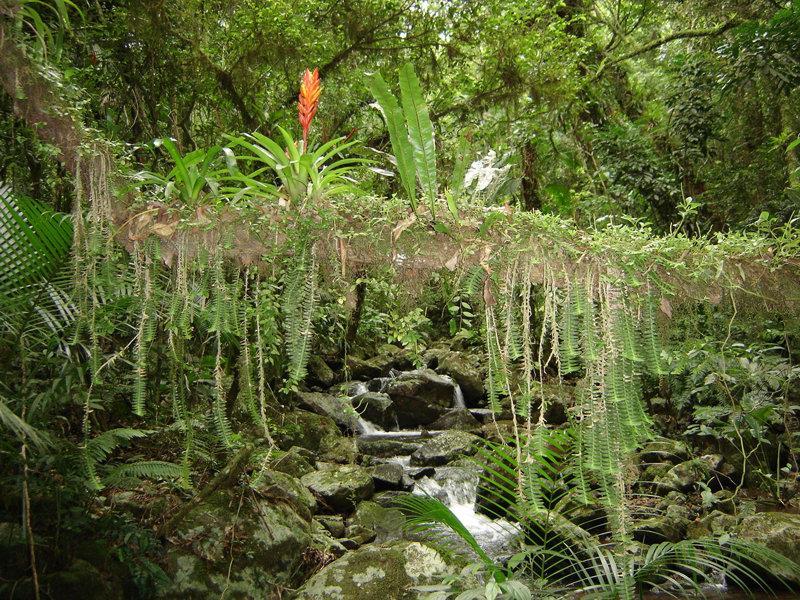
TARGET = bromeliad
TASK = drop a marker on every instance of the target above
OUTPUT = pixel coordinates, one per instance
(308, 102)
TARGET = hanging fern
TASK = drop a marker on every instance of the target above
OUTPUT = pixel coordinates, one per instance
(298, 304)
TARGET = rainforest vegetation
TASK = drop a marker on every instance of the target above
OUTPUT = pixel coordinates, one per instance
(399, 299)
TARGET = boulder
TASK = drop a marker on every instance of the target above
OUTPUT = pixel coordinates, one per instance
(463, 368)
(387, 476)
(338, 409)
(385, 447)
(384, 523)
(420, 397)
(389, 572)
(296, 462)
(307, 430)
(459, 418)
(445, 448)
(663, 451)
(684, 477)
(779, 532)
(235, 545)
(340, 487)
(376, 408)
(333, 524)
(319, 371)
(669, 527)
(390, 357)
(341, 450)
(281, 487)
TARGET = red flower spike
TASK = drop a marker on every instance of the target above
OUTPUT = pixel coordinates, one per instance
(308, 102)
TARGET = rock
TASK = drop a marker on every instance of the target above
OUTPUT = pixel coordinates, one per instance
(385, 523)
(718, 523)
(779, 532)
(283, 487)
(295, 462)
(333, 524)
(444, 448)
(388, 498)
(386, 447)
(338, 409)
(235, 545)
(306, 430)
(420, 397)
(725, 501)
(390, 357)
(376, 408)
(388, 476)
(670, 527)
(340, 487)
(684, 477)
(464, 369)
(320, 372)
(81, 580)
(558, 398)
(459, 418)
(341, 450)
(664, 451)
(388, 572)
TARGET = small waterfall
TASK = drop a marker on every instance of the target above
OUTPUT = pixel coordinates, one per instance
(457, 488)
(458, 395)
(367, 428)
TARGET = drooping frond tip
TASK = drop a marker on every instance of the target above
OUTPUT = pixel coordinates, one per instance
(308, 101)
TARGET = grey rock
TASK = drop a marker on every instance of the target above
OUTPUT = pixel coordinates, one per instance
(340, 488)
(445, 448)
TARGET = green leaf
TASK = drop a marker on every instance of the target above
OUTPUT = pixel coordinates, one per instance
(420, 131)
(398, 135)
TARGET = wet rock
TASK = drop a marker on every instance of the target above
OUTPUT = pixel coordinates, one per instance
(341, 450)
(684, 477)
(460, 419)
(279, 486)
(669, 527)
(340, 487)
(464, 369)
(235, 545)
(378, 571)
(445, 448)
(664, 451)
(306, 430)
(385, 447)
(388, 498)
(420, 397)
(385, 523)
(779, 532)
(333, 524)
(377, 408)
(390, 357)
(319, 371)
(388, 476)
(338, 409)
(296, 462)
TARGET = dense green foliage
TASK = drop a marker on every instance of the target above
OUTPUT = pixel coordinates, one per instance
(596, 193)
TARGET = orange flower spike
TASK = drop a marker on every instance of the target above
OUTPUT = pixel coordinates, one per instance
(308, 102)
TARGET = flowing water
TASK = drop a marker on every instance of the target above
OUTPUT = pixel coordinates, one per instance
(456, 487)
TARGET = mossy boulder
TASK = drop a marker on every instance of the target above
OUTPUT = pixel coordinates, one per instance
(388, 357)
(669, 527)
(444, 448)
(388, 476)
(375, 407)
(337, 408)
(684, 477)
(385, 447)
(387, 571)
(465, 369)
(340, 487)
(296, 461)
(779, 532)
(277, 486)
(420, 397)
(236, 544)
(664, 451)
(306, 430)
(459, 418)
(386, 523)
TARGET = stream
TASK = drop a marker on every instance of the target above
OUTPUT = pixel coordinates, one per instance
(454, 486)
